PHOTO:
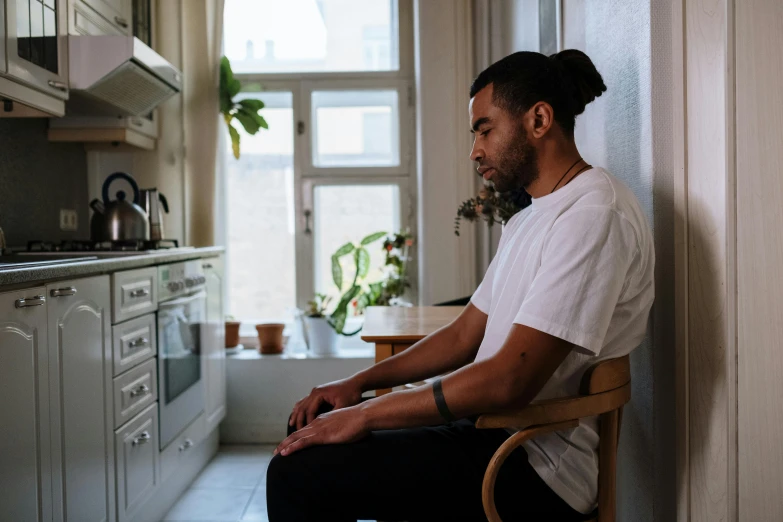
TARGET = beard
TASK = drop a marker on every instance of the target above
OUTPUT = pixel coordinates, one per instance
(516, 166)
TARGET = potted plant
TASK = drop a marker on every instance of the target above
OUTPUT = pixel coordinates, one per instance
(232, 332)
(244, 111)
(491, 206)
(320, 336)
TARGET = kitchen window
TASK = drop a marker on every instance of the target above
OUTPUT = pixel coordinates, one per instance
(337, 162)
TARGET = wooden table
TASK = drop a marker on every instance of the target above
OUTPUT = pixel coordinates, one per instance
(394, 329)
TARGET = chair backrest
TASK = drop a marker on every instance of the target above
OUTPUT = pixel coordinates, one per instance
(602, 377)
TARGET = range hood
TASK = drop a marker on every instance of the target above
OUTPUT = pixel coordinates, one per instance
(117, 76)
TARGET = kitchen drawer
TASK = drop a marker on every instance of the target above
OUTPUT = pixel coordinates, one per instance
(182, 446)
(138, 473)
(134, 391)
(134, 293)
(134, 342)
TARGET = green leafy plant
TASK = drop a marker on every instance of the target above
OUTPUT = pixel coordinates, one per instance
(491, 206)
(318, 305)
(395, 283)
(361, 258)
(244, 111)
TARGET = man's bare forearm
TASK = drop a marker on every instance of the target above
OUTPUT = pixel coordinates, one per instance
(436, 354)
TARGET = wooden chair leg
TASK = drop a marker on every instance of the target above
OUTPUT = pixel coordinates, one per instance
(500, 456)
(607, 459)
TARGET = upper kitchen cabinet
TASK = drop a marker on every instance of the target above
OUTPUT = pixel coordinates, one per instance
(102, 127)
(34, 66)
(119, 13)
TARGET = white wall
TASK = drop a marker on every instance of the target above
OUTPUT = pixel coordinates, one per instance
(262, 391)
(628, 131)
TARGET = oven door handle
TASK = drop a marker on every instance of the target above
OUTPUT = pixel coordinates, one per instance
(183, 300)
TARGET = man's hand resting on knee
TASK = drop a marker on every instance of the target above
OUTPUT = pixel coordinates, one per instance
(340, 394)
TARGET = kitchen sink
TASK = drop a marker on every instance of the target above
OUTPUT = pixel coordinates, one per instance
(14, 262)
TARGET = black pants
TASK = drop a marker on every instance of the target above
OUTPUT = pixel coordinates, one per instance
(422, 474)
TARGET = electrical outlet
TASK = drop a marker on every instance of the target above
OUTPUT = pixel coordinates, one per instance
(69, 220)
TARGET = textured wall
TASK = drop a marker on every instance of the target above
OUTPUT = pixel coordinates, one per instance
(37, 179)
(628, 131)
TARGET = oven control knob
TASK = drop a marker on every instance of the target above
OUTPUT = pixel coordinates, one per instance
(189, 282)
(202, 280)
(173, 286)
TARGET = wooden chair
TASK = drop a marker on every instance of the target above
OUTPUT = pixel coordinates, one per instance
(605, 389)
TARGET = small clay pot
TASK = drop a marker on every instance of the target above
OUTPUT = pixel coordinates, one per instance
(270, 338)
(232, 333)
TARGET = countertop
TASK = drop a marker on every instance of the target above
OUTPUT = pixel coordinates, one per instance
(43, 274)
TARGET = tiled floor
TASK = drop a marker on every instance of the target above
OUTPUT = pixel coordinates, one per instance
(230, 489)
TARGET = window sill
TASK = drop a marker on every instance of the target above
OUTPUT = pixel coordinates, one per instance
(299, 354)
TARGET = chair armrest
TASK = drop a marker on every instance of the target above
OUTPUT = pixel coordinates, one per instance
(558, 410)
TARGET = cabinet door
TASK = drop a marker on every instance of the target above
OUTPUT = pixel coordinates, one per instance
(214, 344)
(36, 45)
(80, 370)
(137, 462)
(117, 12)
(25, 460)
(83, 20)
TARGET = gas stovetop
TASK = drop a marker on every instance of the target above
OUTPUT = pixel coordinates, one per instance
(102, 248)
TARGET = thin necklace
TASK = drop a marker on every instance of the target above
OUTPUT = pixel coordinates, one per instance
(586, 167)
(566, 173)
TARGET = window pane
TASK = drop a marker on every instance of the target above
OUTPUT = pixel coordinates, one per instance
(348, 213)
(260, 216)
(356, 128)
(273, 36)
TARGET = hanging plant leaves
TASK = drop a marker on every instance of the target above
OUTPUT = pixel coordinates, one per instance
(248, 123)
(251, 105)
(362, 257)
(373, 237)
(234, 140)
(337, 273)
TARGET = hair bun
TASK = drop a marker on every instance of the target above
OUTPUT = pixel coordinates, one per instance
(586, 83)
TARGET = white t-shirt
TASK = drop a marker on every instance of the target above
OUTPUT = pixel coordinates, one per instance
(577, 264)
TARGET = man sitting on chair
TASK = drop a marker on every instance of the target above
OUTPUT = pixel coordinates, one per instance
(571, 284)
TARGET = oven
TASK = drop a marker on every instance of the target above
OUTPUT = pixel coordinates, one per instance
(181, 328)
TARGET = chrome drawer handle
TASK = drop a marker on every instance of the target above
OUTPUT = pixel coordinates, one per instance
(143, 438)
(141, 292)
(121, 22)
(206, 266)
(187, 445)
(141, 341)
(63, 292)
(26, 302)
(141, 390)
(60, 86)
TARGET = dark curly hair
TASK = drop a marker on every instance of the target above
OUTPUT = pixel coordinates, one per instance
(567, 81)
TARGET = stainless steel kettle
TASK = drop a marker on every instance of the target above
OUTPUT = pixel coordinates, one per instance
(154, 204)
(119, 219)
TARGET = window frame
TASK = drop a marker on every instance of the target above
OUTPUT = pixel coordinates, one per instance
(307, 176)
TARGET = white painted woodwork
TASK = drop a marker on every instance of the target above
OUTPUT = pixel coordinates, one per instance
(173, 458)
(79, 331)
(759, 132)
(134, 391)
(84, 20)
(25, 458)
(134, 293)
(134, 342)
(214, 342)
(113, 12)
(138, 473)
(446, 176)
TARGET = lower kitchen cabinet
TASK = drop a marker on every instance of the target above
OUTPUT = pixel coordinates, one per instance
(138, 469)
(80, 362)
(214, 344)
(25, 459)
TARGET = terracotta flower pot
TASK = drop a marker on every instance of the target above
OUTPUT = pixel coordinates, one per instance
(232, 333)
(270, 338)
